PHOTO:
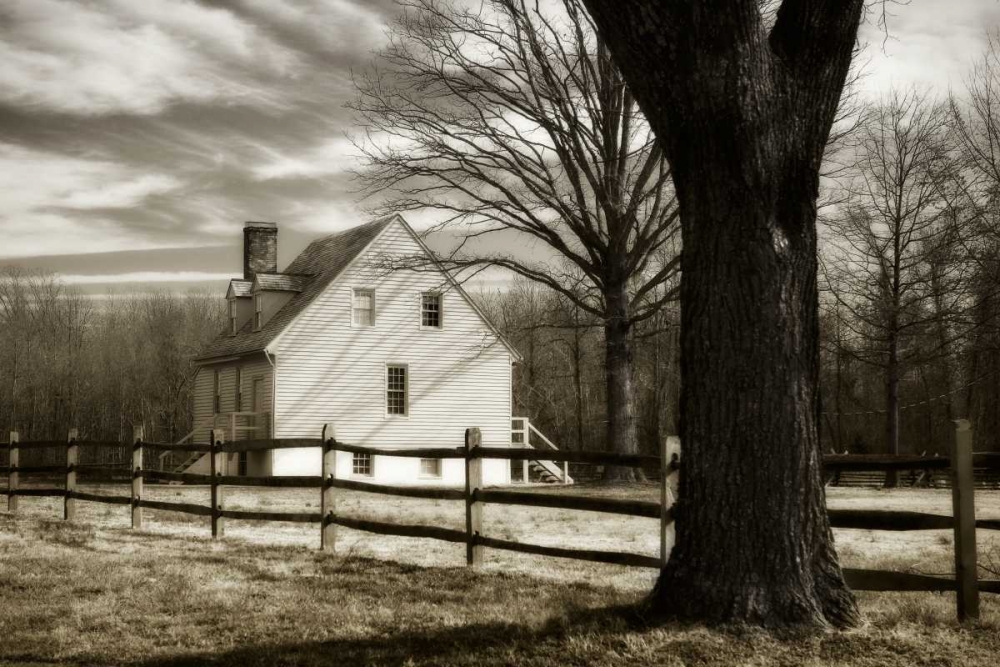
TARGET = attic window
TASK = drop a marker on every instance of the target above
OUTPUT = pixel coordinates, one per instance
(232, 317)
(363, 308)
(258, 311)
(430, 310)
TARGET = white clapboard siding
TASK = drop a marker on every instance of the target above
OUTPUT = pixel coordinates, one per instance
(330, 371)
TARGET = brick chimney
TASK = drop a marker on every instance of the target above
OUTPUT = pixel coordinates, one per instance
(260, 248)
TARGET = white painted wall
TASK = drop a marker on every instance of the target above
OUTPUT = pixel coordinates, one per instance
(331, 372)
(271, 302)
(254, 367)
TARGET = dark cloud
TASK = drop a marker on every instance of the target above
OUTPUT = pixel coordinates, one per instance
(126, 124)
(130, 125)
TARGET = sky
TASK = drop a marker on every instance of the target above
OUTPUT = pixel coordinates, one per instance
(136, 136)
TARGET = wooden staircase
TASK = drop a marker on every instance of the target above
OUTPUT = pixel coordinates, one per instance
(548, 472)
(234, 424)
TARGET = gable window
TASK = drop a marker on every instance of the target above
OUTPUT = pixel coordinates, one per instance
(361, 465)
(216, 396)
(363, 307)
(430, 467)
(232, 317)
(430, 310)
(258, 311)
(238, 401)
(395, 390)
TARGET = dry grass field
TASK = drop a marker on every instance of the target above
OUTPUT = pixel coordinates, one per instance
(96, 593)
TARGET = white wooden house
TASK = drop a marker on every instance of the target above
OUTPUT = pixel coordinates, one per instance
(391, 358)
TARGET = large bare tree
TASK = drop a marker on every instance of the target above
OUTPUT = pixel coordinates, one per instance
(743, 100)
(513, 124)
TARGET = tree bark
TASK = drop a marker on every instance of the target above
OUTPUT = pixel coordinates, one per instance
(744, 115)
(892, 408)
(622, 435)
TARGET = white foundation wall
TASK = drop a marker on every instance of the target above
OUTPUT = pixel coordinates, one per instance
(328, 371)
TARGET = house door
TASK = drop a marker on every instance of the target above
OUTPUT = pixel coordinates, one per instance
(256, 399)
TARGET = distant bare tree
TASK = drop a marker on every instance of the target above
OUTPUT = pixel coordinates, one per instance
(514, 124)
(892, 261)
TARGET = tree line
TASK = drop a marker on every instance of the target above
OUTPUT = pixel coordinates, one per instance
(102, 365)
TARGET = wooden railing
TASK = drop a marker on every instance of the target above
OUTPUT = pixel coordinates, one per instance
(521, 430)
(962, 521)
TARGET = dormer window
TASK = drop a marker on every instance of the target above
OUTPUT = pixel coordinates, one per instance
(232, 317)
(258, 311)
(430, 310)
(363, 308)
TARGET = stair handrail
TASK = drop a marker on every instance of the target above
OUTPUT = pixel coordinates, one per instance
(528, 429)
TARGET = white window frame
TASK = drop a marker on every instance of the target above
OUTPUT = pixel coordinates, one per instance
(430, 475)
(406, 391)
(355, 457)
(232, 317)
(440, 311)
(258, 311)
(355, 292)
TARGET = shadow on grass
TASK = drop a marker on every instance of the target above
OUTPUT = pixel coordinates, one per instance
(597, 631)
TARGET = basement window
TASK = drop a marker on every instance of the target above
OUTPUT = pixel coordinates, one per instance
(430, 468)
(361, 465)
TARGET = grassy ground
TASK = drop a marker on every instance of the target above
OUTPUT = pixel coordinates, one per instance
(95, 592)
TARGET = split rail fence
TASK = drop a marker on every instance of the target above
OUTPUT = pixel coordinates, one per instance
(960, 465)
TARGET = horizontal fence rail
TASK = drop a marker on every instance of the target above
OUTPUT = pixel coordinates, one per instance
(959, 466)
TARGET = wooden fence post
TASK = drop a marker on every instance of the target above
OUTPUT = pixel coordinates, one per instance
(218, 464)
(328, 501)
(669, 452)
(72, 459)
(13, 460)
(473, 509)
(137, 437)
(964, 511)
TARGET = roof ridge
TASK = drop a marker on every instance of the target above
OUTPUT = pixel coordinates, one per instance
(383, 219)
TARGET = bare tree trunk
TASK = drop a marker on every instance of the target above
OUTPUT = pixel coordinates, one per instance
(744, 115)
(622, 436)
(578, 380)
(733, 327)
(892, 409)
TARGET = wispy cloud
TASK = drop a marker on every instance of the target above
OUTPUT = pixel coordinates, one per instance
(144, 124)
(131, 57)
(148, 277)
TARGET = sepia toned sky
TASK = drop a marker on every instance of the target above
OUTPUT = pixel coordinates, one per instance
(136, 136)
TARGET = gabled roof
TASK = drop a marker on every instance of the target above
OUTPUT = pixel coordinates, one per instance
(318, 266)
(324, 259)
(239, 288)
(282, 282)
